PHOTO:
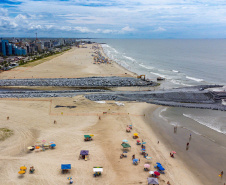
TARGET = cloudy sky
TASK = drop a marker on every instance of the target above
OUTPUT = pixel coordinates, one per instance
(113, 18)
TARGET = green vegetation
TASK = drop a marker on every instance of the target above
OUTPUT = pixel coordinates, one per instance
(5, 133)
(40, 59)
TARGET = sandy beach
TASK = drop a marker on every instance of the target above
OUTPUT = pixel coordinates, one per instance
(32, 120)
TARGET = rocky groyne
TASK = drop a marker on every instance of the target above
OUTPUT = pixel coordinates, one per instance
(79, 82)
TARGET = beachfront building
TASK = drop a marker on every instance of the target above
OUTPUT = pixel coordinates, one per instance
(8, 49)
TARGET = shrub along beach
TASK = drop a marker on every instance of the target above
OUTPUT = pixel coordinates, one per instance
(36, 122)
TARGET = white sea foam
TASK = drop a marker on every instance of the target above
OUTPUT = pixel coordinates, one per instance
(157, 74)
(147, 67)
(194, 79)
(129, 58)
(179, 83)
(212, 126)
(160, 113)
(175, 71)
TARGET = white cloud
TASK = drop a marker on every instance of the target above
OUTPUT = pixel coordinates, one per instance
(110, 17)
(127, 29)
(159, 29)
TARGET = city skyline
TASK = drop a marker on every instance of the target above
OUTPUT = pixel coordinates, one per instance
(113, 19)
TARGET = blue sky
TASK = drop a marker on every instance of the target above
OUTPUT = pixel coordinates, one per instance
(113, 18)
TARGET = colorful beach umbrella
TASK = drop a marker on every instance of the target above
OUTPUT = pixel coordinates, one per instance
(151, 172)
(69, 178)
(23, 168)
(21, 172)
(173, 152)
(51, 142)
(53, 145)
(135, 160)
(147, 165)
(43, 140)
(156, 173)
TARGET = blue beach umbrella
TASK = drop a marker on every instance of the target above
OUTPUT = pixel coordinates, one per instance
(158, 163)
(125, 152)
(124, 140)
(161, 168)
(135, 160)
(143, 143)
(53, 145)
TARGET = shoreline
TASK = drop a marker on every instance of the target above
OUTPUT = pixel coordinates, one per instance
(204, 156)
(34, 118)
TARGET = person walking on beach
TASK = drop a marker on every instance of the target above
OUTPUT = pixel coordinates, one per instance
(190, 137)
(187, 146)
(133, 156)
(221, 174)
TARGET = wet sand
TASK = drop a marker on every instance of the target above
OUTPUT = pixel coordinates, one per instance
(205, 156)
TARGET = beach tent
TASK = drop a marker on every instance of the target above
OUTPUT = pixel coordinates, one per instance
(152, 180)
(65, 166)
(87, 136)
(125, 145)
(97, 169)
(84, 152)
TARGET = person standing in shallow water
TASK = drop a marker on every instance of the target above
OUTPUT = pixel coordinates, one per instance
(190, 137)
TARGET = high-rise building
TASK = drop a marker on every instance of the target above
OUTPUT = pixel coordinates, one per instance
(4, 44)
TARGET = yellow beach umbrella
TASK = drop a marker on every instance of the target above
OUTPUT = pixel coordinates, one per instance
(23, 168)
(21, 172)
(91, 135)
(135, 134)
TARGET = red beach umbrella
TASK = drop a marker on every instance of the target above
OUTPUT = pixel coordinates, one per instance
(138, 141)
(156, 173)
(173, 152)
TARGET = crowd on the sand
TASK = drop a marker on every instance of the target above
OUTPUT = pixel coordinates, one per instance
(98, 58)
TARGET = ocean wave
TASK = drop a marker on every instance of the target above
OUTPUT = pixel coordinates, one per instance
(129, 58)
(147, 67)
(160, 114)
(175, 71)
(107, 46)
(194, 79)
(157, 74)
(179, 83)
(198, 120)
(174, 123)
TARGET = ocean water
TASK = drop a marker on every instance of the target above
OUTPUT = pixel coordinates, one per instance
(183, 63)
